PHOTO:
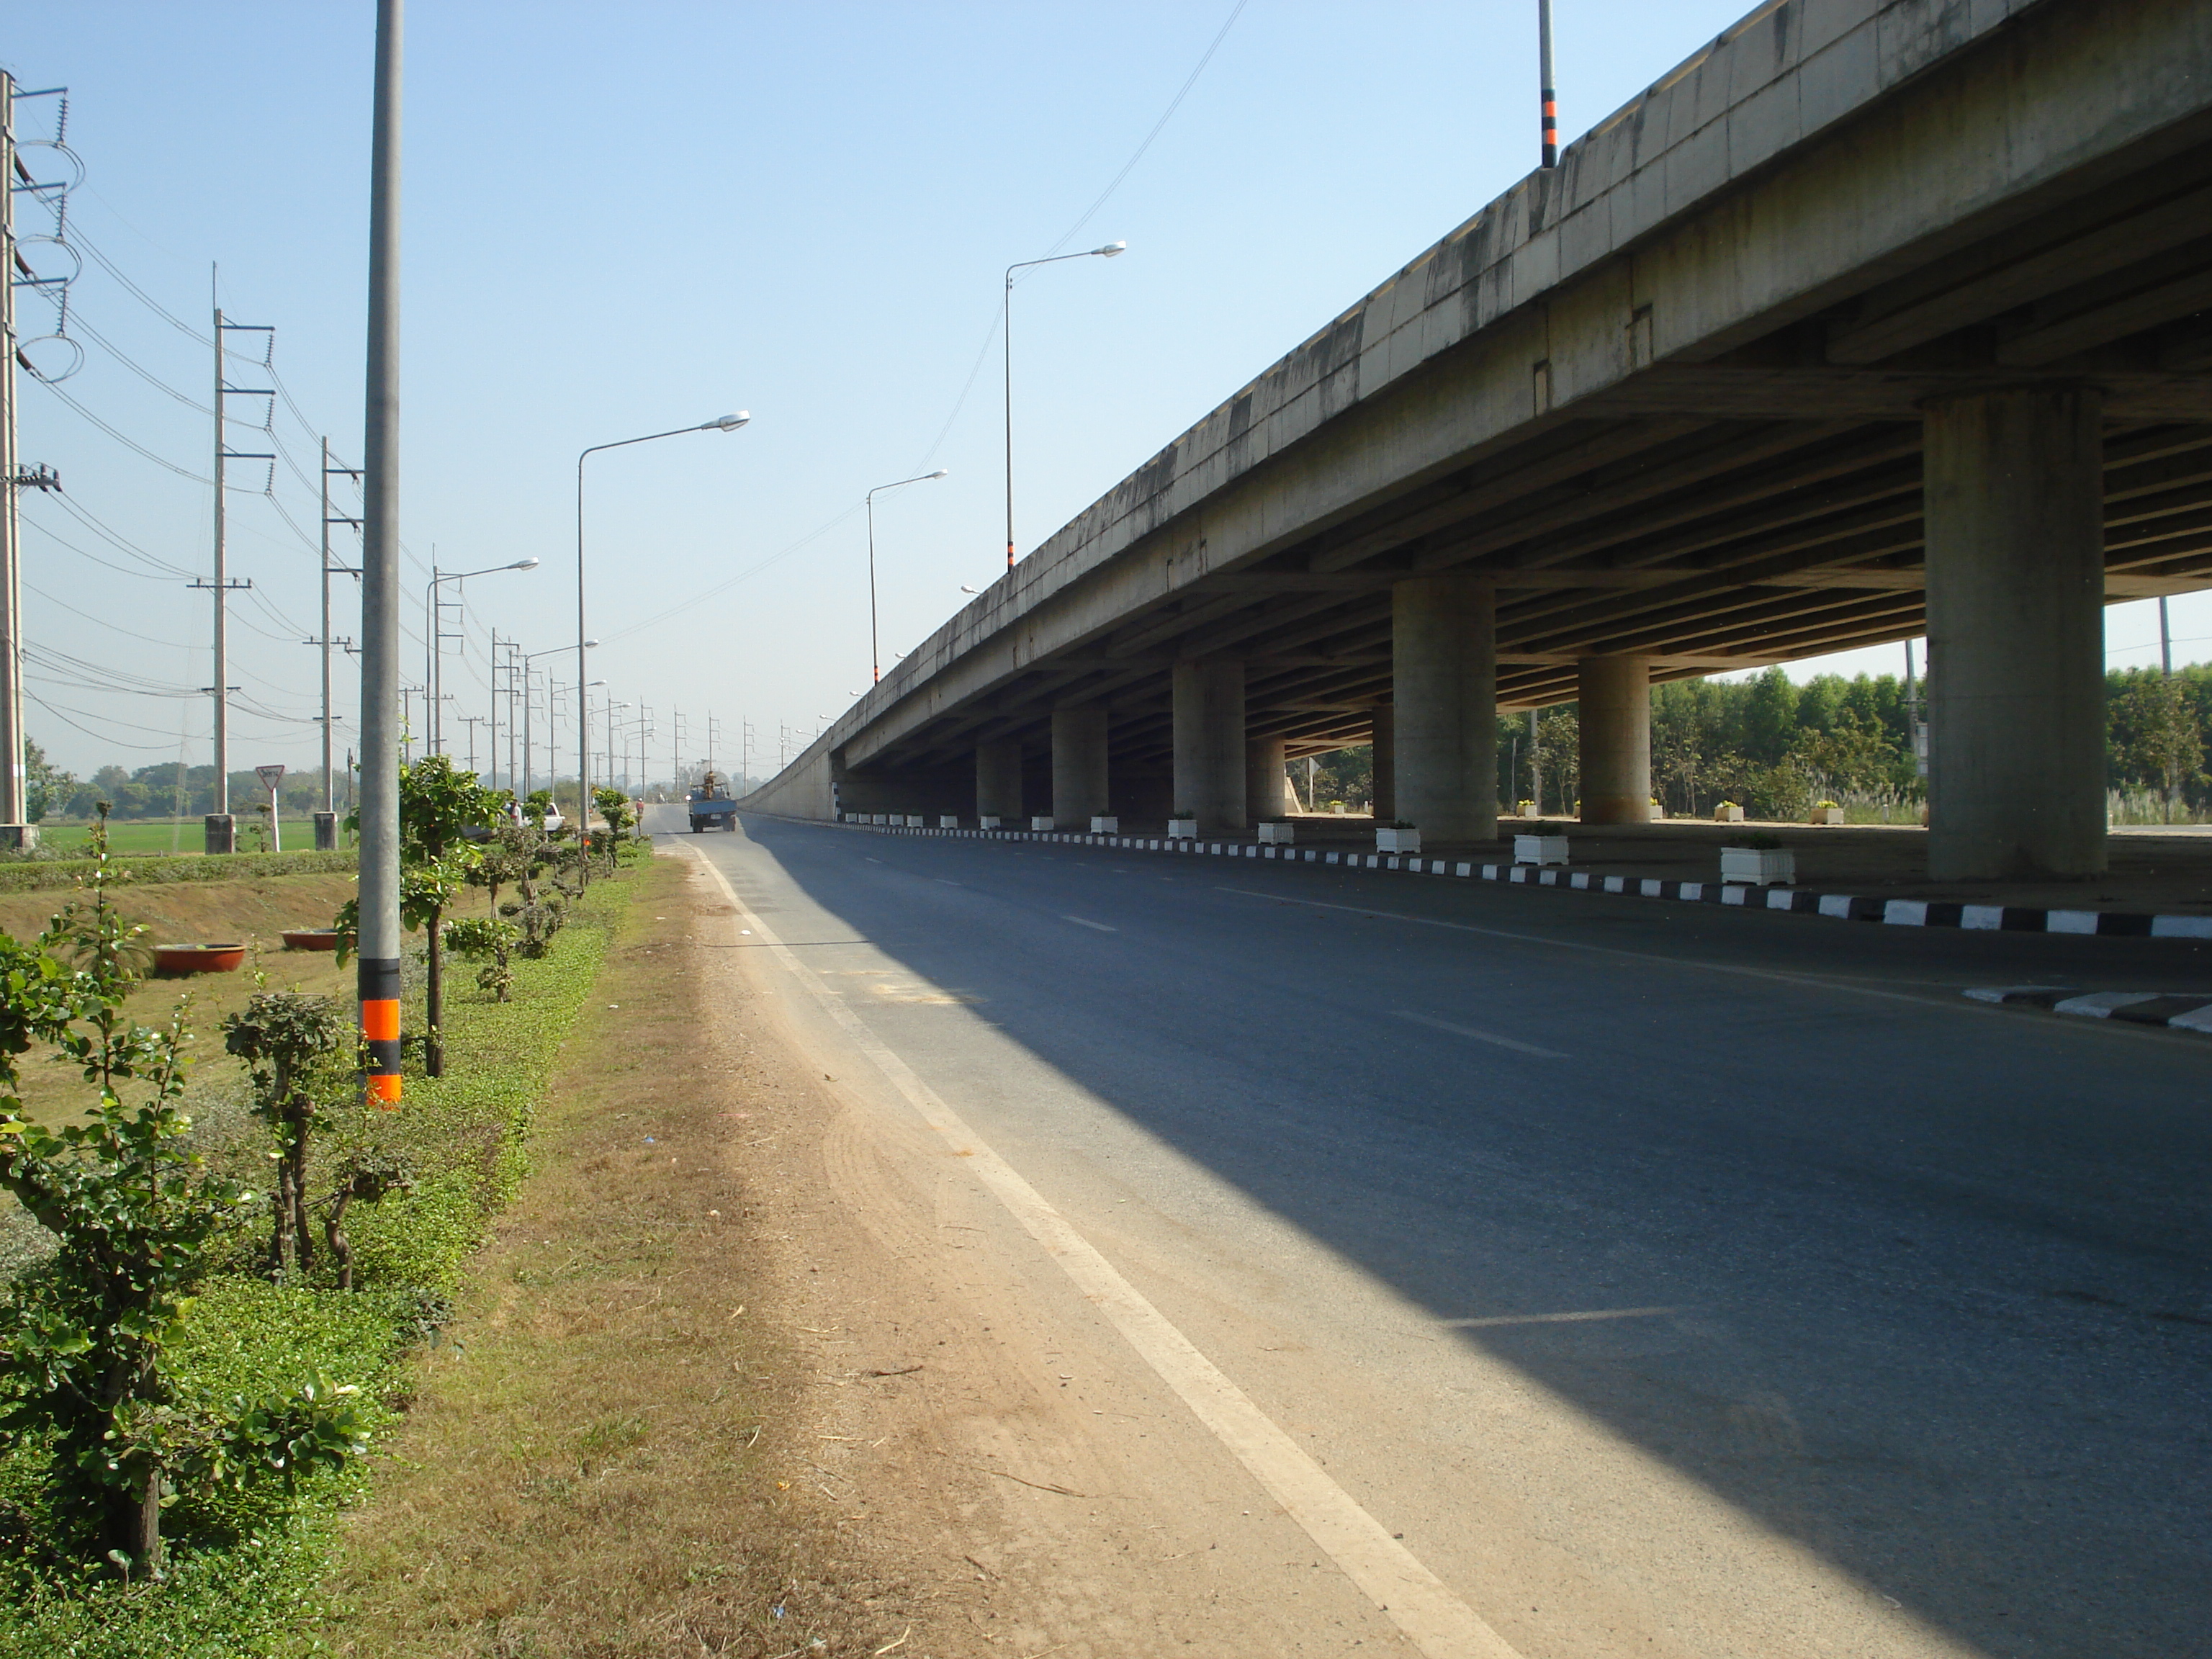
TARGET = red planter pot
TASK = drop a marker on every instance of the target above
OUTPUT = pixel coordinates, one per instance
(311, 939)
(198, 959)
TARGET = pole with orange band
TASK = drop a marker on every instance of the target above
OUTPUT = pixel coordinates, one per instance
(380, 729)
(1550, 98)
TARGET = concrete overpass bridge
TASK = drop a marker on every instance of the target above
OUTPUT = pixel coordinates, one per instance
(1876, 318)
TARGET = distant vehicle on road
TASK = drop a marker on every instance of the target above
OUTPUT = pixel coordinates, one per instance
(710, 805)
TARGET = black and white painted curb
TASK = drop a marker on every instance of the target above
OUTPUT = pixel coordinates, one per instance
(1839, 907)
(2177, 1011)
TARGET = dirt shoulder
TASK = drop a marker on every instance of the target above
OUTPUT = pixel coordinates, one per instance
(648, 1434)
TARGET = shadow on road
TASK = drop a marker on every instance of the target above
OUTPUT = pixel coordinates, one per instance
(1924, 1293)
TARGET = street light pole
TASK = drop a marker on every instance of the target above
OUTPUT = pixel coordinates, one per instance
(875, 651)
(530, 759)
(1006, 341)
(720, 423)
(434, 659)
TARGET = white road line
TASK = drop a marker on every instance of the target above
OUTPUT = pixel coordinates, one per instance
(1575, 1318)
(1479, 1036)
(1100, 926)
(1437, 1622)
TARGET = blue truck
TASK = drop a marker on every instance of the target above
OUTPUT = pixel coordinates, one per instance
(710, 805)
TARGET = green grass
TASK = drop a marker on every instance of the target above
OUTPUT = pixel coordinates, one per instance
(245, 1575)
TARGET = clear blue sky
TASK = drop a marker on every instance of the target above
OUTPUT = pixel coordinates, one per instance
(623, 219)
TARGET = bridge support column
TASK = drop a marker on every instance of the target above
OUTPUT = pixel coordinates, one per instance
(1383, 739)
(1614, 702)
(2015, 551)
(1209, 742)
(1078, 765)
(1444, 670)
(1263, 779)
(999, 779)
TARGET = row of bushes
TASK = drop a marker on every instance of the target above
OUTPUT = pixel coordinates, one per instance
(295, 1372)
(39, 875)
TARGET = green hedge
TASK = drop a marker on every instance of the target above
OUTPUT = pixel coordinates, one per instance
(246, 1579)
(35, 875)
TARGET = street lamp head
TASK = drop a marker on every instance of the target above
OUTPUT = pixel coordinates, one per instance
(727, 423)
(941, 472)
(590, 645)
(1111, 249)
(594, 682)
(964, 588)
(524, 564)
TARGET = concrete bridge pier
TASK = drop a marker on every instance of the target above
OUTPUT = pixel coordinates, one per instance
(1263, 779)
(2013, 480)
(1078, 765)
(1615, 705)
(1382, 737)
(999, 779)
(1209, 742)
(1443, 656)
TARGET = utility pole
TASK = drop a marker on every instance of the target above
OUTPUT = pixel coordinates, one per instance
(221, 827)
(378, 944)
(1535, 766)
(2165, 640)
(472, 721)
(1551, 97)
(492, 748)
(15, 829)
(327, 821)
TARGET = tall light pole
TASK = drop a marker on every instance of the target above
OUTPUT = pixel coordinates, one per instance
(875, 651)
(378, 942)
(434, 659)
(529, 759)
(1006, 340)
(720, 423)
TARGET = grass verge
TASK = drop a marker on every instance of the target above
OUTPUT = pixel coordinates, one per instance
(246, 1579)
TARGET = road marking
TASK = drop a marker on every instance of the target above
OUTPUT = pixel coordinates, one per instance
(1436, 1620)
(1557, 1318)
(1100, 926)
(1479, 1036)
(948, 883)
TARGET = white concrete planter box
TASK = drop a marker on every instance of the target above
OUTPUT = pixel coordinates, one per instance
(1727, 815)
(1760, 867)
(991, 821)
(1540, 849)
(1105, 824)
(915, 821)
(948, 821)
(1526, 809)
(1042, 826)
(1397, 841)
(1182, 829)
(1277, 834)
(1827, 815)
(878, 817)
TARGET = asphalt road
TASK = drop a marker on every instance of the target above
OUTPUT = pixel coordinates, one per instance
(1729, 1270)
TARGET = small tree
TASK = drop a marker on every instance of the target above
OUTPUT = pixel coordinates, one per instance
(440, 808)
(286, 1039)
(134, 1213)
